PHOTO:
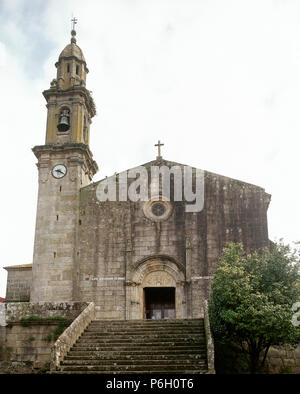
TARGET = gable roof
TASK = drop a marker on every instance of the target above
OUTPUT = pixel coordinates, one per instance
(168, 163)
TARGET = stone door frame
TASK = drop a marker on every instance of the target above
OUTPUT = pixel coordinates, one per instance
(155, 271)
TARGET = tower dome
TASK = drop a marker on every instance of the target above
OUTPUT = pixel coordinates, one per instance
(71, 66)
(72, 50)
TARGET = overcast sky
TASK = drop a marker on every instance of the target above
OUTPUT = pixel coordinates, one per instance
(217, 81)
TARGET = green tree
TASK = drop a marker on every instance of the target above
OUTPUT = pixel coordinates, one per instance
(252, 297)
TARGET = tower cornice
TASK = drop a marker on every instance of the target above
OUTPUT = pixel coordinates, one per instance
(70, 149)
(55, 91)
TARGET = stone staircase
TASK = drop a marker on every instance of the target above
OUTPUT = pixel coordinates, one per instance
(138, 347)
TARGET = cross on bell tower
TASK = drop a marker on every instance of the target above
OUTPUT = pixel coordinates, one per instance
(74, 22)
(159, 157)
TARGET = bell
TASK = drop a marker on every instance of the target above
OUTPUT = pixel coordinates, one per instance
(63, 124)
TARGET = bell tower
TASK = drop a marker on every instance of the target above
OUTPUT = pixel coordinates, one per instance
(70, 105)
(65, 164)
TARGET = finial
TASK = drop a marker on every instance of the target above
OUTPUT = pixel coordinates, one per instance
(158, 146)
(74, 22)
(73, 32)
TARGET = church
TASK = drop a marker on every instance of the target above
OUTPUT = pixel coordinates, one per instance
(128, 260)
(144, 257)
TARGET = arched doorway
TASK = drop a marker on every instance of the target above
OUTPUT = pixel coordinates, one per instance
(156, 290)
(159, 302)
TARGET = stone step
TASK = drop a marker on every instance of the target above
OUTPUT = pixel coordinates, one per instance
(182, 349)
(199, 371)
(128, 368)
(149, 321)
(160, 362)
(147, 326)
(139, 346)
(134, 356)
(142, 340)
(146, 331)
(135, 352)
(149, 334)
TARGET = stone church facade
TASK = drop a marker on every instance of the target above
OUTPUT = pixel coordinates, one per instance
(134, 259)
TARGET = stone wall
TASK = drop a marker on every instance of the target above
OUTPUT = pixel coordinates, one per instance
(19, 279)
(29, 341)
(283, 360)
(2, 314)
(30, 344)
(115, 239)
(209, 341)
(71, 334)
(2, 342)
(14, 311)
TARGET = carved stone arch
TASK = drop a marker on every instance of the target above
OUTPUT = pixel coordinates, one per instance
(63, 107)
(154, 271)
(154, 265)
(163, 258)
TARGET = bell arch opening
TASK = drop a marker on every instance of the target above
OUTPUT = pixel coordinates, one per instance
(64, 119)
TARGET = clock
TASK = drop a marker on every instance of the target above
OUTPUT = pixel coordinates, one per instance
(59, 171)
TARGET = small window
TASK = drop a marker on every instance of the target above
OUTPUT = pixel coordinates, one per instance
(68, 67)
(77, 70)
(85, 130)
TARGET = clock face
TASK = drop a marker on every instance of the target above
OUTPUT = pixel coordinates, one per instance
(59, 171)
